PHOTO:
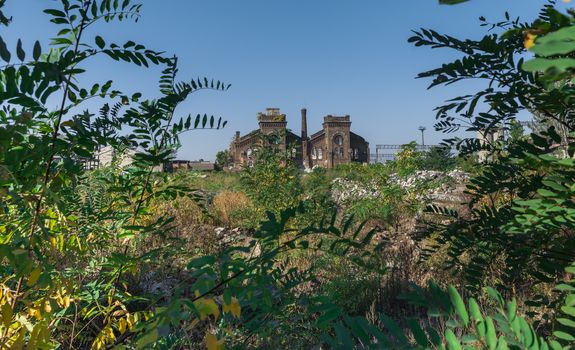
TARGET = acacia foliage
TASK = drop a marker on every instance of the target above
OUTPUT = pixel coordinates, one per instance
(65, 243)
(520, 231)
(502, 227)
(518, 236)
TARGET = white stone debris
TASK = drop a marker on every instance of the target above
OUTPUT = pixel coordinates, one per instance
(344, 190)
(444, 186)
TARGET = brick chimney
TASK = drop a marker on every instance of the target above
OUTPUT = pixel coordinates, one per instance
(304, 124)
(304, 140)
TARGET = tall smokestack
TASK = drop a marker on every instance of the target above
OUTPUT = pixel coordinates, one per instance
(304, 124)
(304, 140)
(237, 135)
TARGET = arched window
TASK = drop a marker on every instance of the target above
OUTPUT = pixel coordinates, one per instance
(338, 140)
(320, 153)
(249, 152)
(314, 153)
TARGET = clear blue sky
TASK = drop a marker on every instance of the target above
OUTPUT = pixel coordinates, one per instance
(331, 56)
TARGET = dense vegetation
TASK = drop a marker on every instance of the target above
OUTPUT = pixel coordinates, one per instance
(427, 251)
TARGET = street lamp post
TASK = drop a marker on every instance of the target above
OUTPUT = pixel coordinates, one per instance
(422, 129)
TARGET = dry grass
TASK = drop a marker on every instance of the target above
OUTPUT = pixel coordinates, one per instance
(226, 205)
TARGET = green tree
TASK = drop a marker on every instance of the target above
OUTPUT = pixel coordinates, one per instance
(408, 160)
(438, 158)
(273, 181)
(222, 159)
(516, 131)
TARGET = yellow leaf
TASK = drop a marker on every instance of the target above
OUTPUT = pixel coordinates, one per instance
(7, 315)
(34, 312)
(529, 41)
(66, 301)
(47, 307)
(212, 342)
(122, 325)
(34, 275)
(207, 307)
(234, 307)
(131, 320)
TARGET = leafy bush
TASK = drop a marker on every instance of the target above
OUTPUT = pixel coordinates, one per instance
(438, 158)
(518, 235)
(68, 237)
(273, 183)
(468, 324)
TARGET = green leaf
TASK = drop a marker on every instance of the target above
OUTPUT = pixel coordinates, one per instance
(558, 42)
(72, 96)
(565, 288)
(94, 8)
(394, 329)
(452, 342)
(94, 89)
(457, 302)
(344, 336)
(37, 51)
(331, 314)
(545, 64)
(569, 310)
(201, 261)
(100, 42)
(546, 193)
(451, 2)
(19, 51)
(511, 309)
(474, 310)
(4, 53)
(490, 336)
(149, 337)
(495, 295)
(417, 332)
(502, 344)
(55, 13)
(566, 322)
(564, 336)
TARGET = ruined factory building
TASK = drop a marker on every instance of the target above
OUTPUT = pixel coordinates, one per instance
(334, 144)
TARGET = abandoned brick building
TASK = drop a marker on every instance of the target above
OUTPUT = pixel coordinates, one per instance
(334, 144)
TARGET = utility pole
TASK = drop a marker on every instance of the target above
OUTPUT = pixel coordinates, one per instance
(422, 129)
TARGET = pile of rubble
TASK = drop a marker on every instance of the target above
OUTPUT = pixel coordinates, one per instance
(424, 176)
(344, 190)
(449, 186)
(228, 237)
